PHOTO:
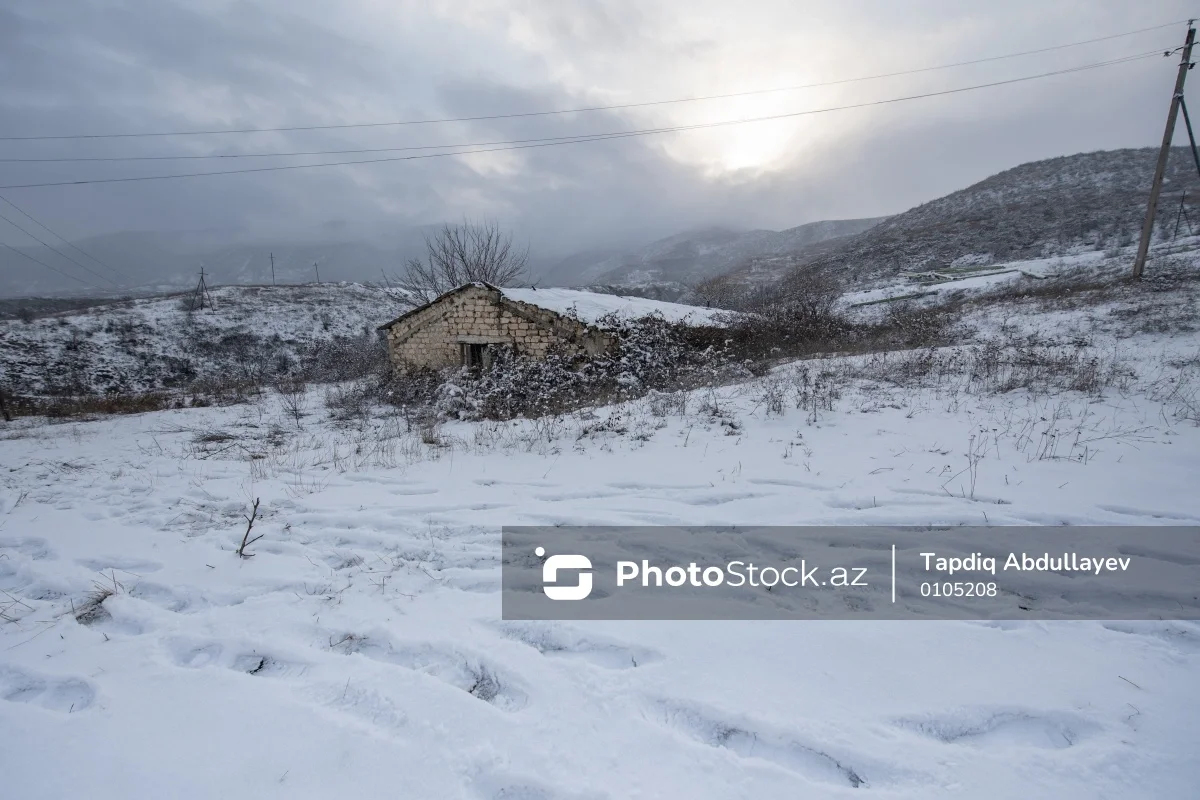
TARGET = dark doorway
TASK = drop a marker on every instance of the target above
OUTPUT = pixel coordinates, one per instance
(473, 355)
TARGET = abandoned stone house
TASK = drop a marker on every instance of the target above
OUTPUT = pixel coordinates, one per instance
(466, 326)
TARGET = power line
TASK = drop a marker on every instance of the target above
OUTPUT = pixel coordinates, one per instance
(47, 266)
(297, 153)
(581, 138)
(47, 228)
(613, 107)
(56, 250)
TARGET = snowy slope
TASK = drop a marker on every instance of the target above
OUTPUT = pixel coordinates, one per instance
(1060, 206)
(156, 343)
(359, 652)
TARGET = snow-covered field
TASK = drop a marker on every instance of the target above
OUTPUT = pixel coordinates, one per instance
(360, 651)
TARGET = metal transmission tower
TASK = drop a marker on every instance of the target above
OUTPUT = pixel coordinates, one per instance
(200, 297)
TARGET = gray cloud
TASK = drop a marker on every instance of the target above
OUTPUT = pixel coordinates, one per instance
(88, 66)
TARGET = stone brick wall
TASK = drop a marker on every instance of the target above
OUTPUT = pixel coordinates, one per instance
(433, 336)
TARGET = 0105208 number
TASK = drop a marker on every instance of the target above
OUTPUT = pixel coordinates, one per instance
(956, 589)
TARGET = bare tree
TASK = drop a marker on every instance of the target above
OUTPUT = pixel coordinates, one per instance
(464, 253)
(803, 294)
(721, 291)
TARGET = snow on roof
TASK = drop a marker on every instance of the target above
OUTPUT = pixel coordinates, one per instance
(590, 307)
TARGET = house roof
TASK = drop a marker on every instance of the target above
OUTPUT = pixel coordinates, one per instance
(591, 307)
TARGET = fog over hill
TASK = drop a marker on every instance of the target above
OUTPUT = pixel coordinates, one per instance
(1043, 208)
(152, 262)
(689, 257)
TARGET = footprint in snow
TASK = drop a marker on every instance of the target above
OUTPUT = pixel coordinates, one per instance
(562, 642)
(67, 695)
(179, 601)
(467, 671)
(1002, 727)
(500, 786)
(249, 660)
(751, 741)
(32, 548)
(1183, 637)
(120, 563)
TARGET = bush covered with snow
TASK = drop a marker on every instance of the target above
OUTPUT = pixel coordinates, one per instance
(656, 355)
(653, 354)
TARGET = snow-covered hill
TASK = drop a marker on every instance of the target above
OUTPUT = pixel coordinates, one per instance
(1061, 206)
(156, 343)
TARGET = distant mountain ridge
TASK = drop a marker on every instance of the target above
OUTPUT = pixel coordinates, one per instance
(690, 257)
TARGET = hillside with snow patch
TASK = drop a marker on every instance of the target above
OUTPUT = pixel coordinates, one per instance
(1089, 202)
(158, 343)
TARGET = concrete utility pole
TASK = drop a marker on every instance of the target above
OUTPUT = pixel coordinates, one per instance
(272, 269)
(1185, 64)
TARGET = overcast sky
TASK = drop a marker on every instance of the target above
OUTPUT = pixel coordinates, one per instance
(106, 66)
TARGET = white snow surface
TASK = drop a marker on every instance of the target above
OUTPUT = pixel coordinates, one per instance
(590, 307)
(360, 651)
(995, 276)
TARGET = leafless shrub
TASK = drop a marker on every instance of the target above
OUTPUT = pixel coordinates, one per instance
(343, 358)
(349, 401)
(977, 446)
(816, 390)
(772, 393)
(662, 404)
(1187, 406)
(293, 397)
(908, 325)
(1177, 387)
(995, 366)
(428, 428)
(714, 409)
